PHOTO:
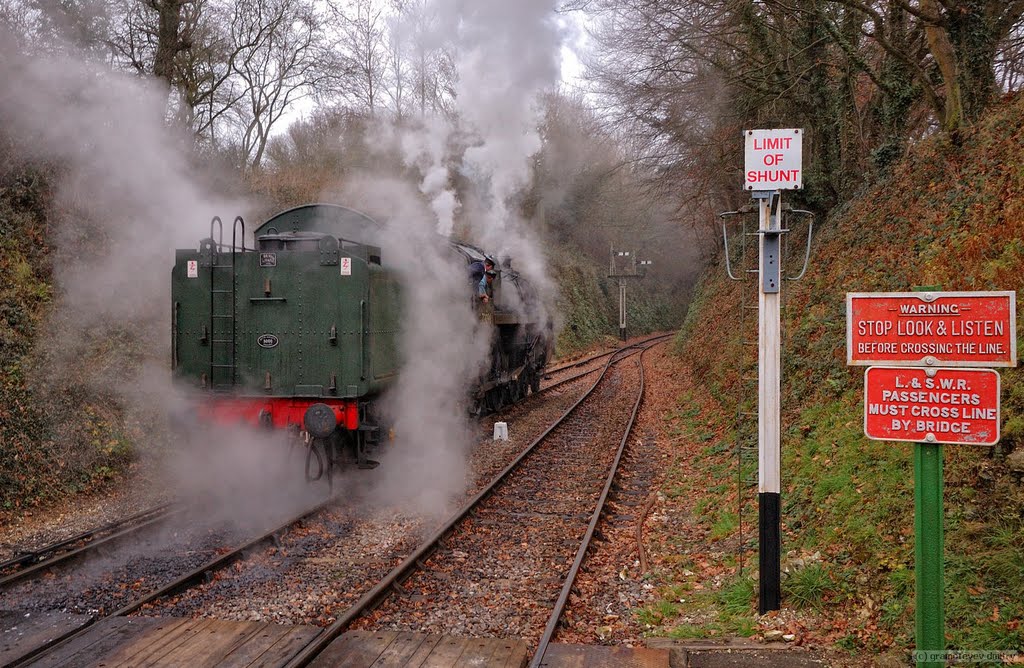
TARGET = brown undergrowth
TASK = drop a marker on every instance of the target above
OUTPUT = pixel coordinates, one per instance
(950, 215)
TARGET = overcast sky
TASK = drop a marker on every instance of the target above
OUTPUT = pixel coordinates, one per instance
(574, 48)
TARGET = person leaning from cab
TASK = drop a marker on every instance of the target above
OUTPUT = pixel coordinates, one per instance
(483, 273)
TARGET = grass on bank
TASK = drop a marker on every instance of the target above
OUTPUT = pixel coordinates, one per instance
(949, 215)
(849, 502)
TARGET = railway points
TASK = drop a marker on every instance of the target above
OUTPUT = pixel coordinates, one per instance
(116, 639)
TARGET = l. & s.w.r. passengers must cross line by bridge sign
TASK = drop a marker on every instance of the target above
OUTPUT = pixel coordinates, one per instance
(939, 405)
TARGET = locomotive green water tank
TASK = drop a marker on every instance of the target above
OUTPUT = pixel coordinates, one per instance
(306, 313)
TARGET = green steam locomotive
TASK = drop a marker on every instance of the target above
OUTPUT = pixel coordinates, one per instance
(304, 331)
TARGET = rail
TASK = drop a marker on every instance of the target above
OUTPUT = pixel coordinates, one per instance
(563, 597)
(392, 580)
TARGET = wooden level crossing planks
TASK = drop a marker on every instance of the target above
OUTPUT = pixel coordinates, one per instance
(104, 637)
(560, 655)
(393, 649)
(149, 642)
(23, 631)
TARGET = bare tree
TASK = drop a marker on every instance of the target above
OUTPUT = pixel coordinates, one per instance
(397, 47)
(279, 64)
(668, 75)
(54, 25)
(1009, 62)
(964, 40)
(206, 84)
(431, 67)
(169, 38)
(16, 24)
(361, 51)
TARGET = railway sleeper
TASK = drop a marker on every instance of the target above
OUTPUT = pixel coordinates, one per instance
(518, 514)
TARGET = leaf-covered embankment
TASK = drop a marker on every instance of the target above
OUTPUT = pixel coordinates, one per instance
(57, 435)
(952, 215)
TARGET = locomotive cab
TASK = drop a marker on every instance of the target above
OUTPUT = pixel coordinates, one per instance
(520, 344)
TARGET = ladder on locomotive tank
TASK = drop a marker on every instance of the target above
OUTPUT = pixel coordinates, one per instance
(223, 307)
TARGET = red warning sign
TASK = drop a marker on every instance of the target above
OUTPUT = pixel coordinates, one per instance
(932, 405)
(931, 328)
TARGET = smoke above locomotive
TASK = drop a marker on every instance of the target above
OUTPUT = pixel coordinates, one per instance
(306, 331)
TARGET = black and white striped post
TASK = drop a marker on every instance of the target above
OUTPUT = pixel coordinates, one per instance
(768, 410)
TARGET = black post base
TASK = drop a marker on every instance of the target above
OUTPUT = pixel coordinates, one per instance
(769, 552)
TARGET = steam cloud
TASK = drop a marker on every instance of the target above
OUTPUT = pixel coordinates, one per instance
(507, 55)
(129, 176)
(442, 350)
(126, 178)
(126, 194)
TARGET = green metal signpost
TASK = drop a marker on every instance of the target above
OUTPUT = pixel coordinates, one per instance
(928, 546)
(929, 542)
(925, 344)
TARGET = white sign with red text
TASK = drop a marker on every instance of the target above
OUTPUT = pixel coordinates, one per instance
(773, 159)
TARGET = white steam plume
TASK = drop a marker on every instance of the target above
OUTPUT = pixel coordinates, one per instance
(506, 56)
(426, 148)
(442, 349)
(509, 55)
(125, 196)
(125, 174)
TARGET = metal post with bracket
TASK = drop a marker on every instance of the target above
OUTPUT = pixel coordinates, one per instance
(773, 162)
(624, 265)
(769, 361)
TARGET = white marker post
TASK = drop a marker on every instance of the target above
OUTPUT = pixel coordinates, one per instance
(772, 162)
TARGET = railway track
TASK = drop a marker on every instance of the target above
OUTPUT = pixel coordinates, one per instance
(66, 551)
(591, 360)
(554, 618)
(512, 484)
(312, 575)
(213, 558)
(464, 554)
(597, 356)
